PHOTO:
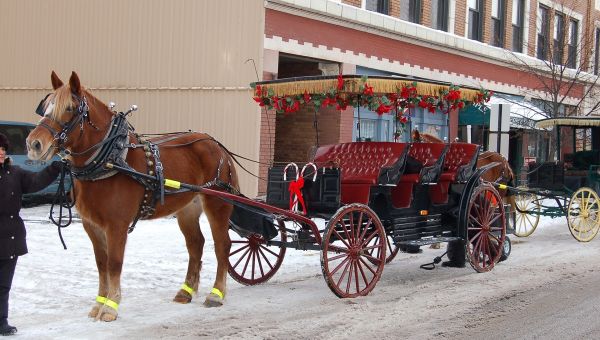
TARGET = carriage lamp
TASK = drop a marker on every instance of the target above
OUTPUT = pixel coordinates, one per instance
(424, 212)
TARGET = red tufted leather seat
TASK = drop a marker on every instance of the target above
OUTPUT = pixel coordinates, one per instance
(458, 155)
(360, 164)
(427, 154)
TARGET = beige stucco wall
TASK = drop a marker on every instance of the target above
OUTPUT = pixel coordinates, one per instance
(183, 62)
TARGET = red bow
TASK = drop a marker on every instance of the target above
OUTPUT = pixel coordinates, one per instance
(295, 189)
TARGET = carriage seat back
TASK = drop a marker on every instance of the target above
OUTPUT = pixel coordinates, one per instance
(459, 162)
(362, 162)
(363, 165)
(431, 157)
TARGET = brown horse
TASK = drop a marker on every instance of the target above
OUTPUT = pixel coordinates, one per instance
(77, 123)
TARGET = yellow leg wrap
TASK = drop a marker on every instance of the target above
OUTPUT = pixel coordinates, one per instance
(101, 299)
(217, 292)
(187, 288)
(110, 303)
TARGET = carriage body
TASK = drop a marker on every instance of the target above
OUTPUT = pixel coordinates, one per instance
(407, 205)
(358, 203)
(568, 187)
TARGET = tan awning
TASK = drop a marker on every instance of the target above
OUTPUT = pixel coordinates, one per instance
(568, 121)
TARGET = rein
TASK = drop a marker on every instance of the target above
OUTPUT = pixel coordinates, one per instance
(63, 201)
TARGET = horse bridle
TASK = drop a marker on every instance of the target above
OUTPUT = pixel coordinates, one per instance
(80, 117)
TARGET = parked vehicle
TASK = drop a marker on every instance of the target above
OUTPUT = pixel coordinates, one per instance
(17, 132)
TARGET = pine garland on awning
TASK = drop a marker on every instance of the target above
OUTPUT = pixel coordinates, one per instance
(378, 94)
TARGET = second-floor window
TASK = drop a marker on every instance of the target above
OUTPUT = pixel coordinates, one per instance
(572, 43)
(543, 33)
(498, 14)
(410, 10)
(476, 19)
(518, 21)
(379, 6)
(559, 39)
(439, 14)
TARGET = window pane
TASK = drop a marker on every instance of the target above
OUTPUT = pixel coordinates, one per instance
(597, 56)
(515, 11)
(371, 5)
(473, 4)
(404, 9)
(495, 8)
(368, 129)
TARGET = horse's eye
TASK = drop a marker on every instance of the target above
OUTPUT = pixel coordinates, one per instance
(69, 109)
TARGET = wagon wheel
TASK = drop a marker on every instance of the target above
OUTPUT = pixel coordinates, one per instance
(584, 214)
(353, 251)
(251, 260)
(486, 228)
(391, 249)
(527, 214)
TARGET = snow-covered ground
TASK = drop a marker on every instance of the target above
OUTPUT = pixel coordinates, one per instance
(54, 289)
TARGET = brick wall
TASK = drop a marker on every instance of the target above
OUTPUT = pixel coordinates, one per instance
(297, 137)
(426, 13)
(487, 22)
(356, 3)
(533, 5)
(459, 17)
(508, 26)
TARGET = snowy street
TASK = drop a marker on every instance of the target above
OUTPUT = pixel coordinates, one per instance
(547, 288)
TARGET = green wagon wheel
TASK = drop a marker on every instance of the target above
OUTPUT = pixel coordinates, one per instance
(527, 215)
(584, 214)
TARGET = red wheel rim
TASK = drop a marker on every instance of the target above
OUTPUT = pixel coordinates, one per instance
(251, 260)
(353, 251)
(486, 228)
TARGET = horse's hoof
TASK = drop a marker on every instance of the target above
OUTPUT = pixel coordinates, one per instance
(106, 314)
(213, 300)
(107, 317)
(94, 312)
(182, 297)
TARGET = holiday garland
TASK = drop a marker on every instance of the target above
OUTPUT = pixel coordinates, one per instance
(380, 95)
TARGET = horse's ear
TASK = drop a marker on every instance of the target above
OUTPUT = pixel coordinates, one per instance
(56, 82)
(74, 84)
(416, 136)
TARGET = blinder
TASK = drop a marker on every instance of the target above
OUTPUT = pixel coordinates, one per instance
(79, 117)
(40, 108)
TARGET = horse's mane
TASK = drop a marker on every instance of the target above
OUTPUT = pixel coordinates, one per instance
(424, 137)
(497, 157)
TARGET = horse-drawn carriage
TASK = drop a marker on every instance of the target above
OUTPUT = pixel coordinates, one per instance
(359, 201)
(568, 187)
(373, 197)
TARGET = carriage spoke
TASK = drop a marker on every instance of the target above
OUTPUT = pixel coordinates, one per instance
(362, 272)
(266, 259)
(341, 238)
(368, 266)
(268, 250)
(240, 249)
(339, 266)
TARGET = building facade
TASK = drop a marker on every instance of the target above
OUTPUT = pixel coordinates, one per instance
(465, 42)
(187, 64)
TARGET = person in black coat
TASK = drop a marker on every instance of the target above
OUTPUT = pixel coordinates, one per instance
(14, 182)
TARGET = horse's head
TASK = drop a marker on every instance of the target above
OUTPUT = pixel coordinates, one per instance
(63, 114)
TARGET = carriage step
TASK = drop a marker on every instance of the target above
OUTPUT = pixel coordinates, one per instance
(426, 241)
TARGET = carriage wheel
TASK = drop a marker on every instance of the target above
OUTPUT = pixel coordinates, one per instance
(353, 251)
(584, 214)
(391, 249)
(486, 228)
(526, 222)
(251, 260)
